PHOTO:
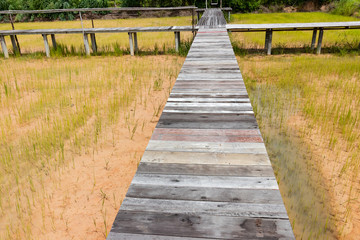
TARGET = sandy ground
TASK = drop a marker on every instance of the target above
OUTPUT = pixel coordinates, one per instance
(344, 191)
(83, 198)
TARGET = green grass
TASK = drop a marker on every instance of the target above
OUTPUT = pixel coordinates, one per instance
(347, 7)
(339, 41)
(308, 111)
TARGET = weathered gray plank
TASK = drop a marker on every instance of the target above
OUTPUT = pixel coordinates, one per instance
(206, 169)
(263, 196)
(202, 226)
(116, 9)
(208, 100)
(222, 120)
(131, 236)
(185, 146)
(205, 158)
(293, 26)
(206, 181)
(230, 209)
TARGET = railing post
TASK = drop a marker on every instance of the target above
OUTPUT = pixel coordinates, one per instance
(193, 22)
(266, 39)
(321, 34)
(177, 41)
(229, 15)
(131, 44)
(136, 43)
(313, 40)
(14, 45)
(46, 43)
(269, 42)
(14, 39)
(53, 40)
(86, 44)
(93, 42)
(3, 46)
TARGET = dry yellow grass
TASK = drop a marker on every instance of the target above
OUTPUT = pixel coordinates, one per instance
(308, 111)
(67, 125)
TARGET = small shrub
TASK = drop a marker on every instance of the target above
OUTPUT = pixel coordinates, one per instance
(347, 7)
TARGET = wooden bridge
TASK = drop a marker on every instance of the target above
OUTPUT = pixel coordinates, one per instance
(205, 173)
(132, 31)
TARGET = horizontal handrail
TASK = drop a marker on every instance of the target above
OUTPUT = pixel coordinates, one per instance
(97, 30)
(99, 10)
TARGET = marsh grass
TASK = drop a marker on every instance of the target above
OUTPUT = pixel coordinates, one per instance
(339, 41)
(56, 109)
(307, 108)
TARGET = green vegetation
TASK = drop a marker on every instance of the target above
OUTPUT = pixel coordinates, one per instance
(347, 8)
(340, 42)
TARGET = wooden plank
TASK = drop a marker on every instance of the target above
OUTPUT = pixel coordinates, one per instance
(293, 26)
(212, 109)
(229, 120)
(169, 137)
(206, 181)
(264, 196)
(210, 100)
(207, 120)
(209, 135)
(130, 236)
(236, 126)
(205, 158)
(207, 132)
(206, 169)
(209, 95)
(96, 30)
(116, 9)
(205, 104)
(187, 146)
(230, 209)
(202, 226)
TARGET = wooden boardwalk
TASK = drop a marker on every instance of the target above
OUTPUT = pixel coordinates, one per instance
(205, 173)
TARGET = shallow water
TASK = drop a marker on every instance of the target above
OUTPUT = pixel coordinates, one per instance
(302, 189)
